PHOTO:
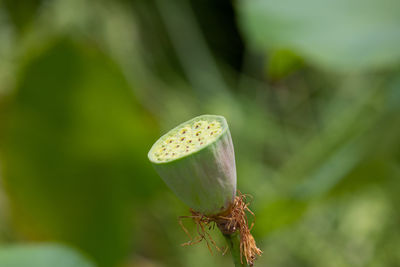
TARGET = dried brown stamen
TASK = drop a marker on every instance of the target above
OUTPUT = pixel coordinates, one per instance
(228, 222)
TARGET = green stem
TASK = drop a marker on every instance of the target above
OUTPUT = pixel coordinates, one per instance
(233, 241)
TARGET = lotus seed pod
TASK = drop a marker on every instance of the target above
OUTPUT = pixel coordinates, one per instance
(197, 161)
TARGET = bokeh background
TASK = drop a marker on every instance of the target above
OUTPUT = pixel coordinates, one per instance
(311, 90)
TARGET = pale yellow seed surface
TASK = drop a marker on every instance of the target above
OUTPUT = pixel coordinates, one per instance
(187, 139)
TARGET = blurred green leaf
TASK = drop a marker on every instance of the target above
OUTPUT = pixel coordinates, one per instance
(344, 35)
(44, 255)
(278, 214)
(282, 63)
(22, 13)
(74, 150)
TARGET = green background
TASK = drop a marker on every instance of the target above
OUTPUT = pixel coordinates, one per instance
(310, 89)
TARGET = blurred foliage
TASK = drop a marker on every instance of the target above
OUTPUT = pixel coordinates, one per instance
(21, 13)
(344, 35)
(311, 91)
(80, 150)
(47, 255)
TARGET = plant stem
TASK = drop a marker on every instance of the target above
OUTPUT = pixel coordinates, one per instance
(233, 241)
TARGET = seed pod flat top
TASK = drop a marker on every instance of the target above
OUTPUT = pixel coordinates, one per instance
(197, 161)
(187, 138)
